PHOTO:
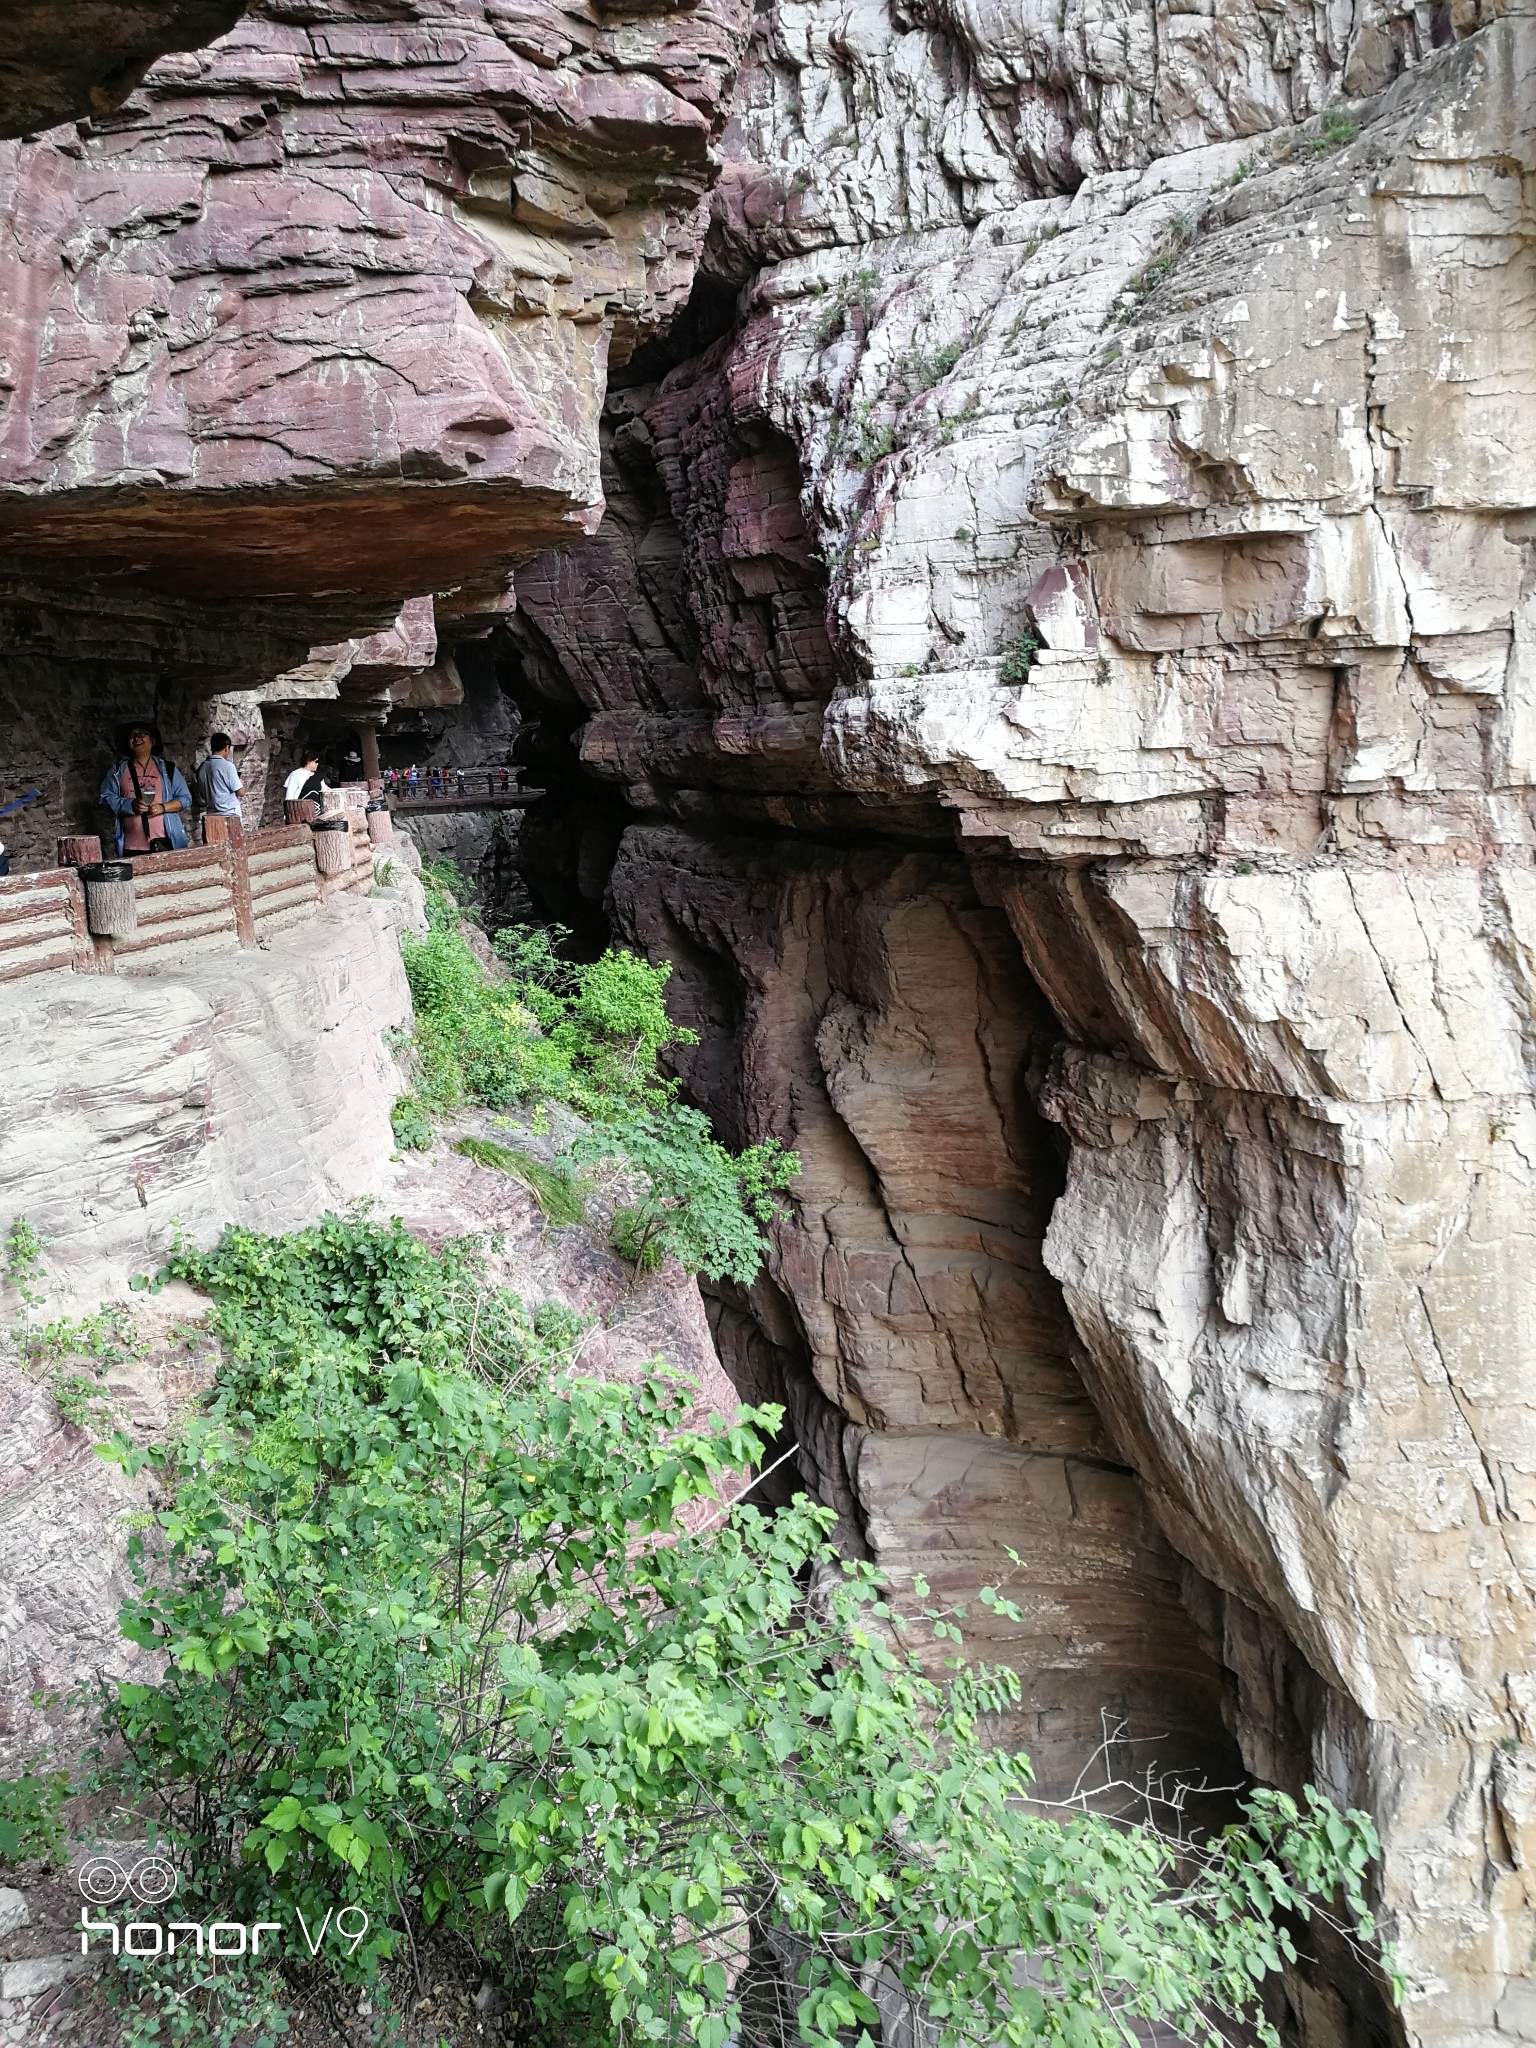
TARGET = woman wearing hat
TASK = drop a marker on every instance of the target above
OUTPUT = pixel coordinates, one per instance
(147, 795)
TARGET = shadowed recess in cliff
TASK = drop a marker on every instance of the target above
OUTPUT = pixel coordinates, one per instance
(862, 1001)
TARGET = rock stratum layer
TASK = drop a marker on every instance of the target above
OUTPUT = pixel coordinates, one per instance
(330, 267)
(1072, 636)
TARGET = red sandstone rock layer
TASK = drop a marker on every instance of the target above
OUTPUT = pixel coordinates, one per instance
(329, 309)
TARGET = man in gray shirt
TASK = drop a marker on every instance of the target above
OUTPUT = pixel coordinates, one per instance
(218, 780)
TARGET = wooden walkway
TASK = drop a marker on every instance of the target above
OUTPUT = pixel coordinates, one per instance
(513, 800)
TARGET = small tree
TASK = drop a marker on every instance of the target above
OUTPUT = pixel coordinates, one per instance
(592, 1036)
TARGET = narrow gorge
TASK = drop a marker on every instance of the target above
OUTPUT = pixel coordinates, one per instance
(998, 542)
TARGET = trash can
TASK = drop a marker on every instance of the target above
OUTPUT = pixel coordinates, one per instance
(110, 910)
(333, 845)
(381, 824)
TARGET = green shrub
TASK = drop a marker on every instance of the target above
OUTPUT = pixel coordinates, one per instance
(634, 1238)
(561, 1326)
(442, 1641)
(556, 1193)
(1019, 658)
(22, 1260)
(591, 1036)
(829, 322)
(918, 369)
(411, 1121)
(30, 1829)
(550, 1030)
(81, 1401)
(99, 1342)
(109, 1338)
(186, 2001)
(1332, 132)
(704, 1206)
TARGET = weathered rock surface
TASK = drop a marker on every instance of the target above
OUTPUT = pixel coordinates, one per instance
(882, 1023)
(255, 1083)
(368, 267)
(64, 60)
(1068, 629)
(1151, 393)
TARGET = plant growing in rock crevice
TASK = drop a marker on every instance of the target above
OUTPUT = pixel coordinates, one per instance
(1331, 131)
(1177, 235)
(1019, 657)
(99, 1343)
(22, 1261)
(858, 298)
(589, 1036)
(867, 438)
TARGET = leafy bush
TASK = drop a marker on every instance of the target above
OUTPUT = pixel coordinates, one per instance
(109, 1338)
(411, 1121)
(442, 1640)
(30, 1829)
(184, 1999)
(22, 1260)
(1331, 131)
(591, 1036)
(1334, 130)
(81, 1401)
(1019, 658)
(98, 1343)
(704, 1206)
(829, 322)
(551, 1030)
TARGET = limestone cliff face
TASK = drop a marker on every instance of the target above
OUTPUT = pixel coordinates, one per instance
(1119, 471)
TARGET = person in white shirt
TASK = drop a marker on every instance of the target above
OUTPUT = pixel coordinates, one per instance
(304, 782)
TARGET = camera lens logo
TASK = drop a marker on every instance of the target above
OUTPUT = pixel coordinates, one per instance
(151, 1880)
(102, 1881)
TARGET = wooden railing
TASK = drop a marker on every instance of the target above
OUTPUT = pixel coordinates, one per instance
(458, 789)
(237, 889)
